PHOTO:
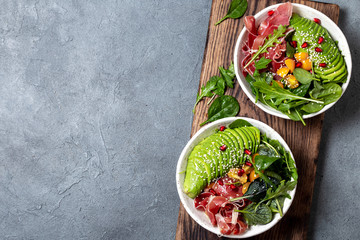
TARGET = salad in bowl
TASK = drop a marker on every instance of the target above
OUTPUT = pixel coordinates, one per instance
(292, 61)
(236, 177)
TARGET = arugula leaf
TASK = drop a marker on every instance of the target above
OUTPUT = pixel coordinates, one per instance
(281, 190)
(290, 50)
(206, 91)
(303, 76)
(228, 79)
(231, 70)
(262, 63)
(236, 10)
(256, 214)
(220, 87)
(278, 93)
(277, 204)
(225, 106)
(269, 41)
(287, 106)
(262, 162)
(239, 123)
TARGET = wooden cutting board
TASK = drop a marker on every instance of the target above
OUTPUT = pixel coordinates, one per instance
(304, 141)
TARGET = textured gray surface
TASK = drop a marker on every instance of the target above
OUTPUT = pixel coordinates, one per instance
(95, 107)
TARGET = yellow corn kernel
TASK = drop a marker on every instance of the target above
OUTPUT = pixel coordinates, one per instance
(247, 169)
(282, 72)
(243, 179)
(233, 173)
(291, 81)
(306, 64)
(245, 187)
(253, 176)
(301, 56)
(290, 63)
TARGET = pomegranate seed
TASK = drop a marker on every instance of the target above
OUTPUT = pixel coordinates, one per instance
(322, 65)
(304, 45)
(298, 64)
(247, 152)
(212, 191)
(317, 49)
(271, 12)
(223, 148)
(311, 71)
(321, 39)
(248, 163)
(222, 128)
(220, 182)
(294, 43)
(241, 172)
(317, 20)
(232, 186)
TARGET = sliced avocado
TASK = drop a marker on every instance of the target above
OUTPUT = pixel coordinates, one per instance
(251, 138)
(241, 146)
(244, 138)
(222, 155)
(250, 142)
(202, 165)
(229, 147)
(206, 151)
(194, 182)
(235, 151)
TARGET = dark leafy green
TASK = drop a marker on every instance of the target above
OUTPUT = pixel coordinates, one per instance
(262, 63)
(301, 90)
(281, 190)
(207, 90)
(303, 76)
(240, 123)
(236, 10)
(329, 92)
(262, 162)
(228, 79)
(312, 107)
(225, 106)
(256, 214)
(276, 205)
(290, 51)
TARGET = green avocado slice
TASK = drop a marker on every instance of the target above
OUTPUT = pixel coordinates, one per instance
(240, 151)
(234, 152)
(205, 151)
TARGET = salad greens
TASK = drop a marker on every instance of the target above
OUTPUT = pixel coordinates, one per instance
(237, 9)
(239, 123)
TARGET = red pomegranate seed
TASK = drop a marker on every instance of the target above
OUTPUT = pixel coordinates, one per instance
(304, 45)
(212, 191)
(220, 182)
(223, 148)
(248, 163)
(322, 65)
(232, 186)
(271, 12)
(317, 49)
(294, 43)
(222, 128)
(247, 152)
(241, 172)
(321, 39)
(298, 64)
(311, 71)
(318, 21)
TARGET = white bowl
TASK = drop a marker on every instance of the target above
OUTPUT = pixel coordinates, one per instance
(199, 216)
(306, 12)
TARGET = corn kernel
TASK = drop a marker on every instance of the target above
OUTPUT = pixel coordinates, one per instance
(282, 72)
(290, 63)
(301, 56)
(306, 64)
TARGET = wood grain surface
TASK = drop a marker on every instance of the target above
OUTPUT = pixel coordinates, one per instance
(304, 141)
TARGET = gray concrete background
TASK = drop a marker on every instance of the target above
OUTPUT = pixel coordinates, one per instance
(95, 106)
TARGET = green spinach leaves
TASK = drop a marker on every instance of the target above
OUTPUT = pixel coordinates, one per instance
(237, 9)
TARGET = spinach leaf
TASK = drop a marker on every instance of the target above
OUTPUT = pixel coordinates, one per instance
(281, 190)
(329, 92)
(256, 214)
(224, 106)
(240, 123)
(290, 50)
(220, 87)
(231, 70)
(262, 63)
(278, 93)
(228, 79)
(268, 150)
(288, 105)
(236, 10)
(262, 162)
(256, 191)
(269, 42)
(301, 90)
(312, 107)
(303, 76)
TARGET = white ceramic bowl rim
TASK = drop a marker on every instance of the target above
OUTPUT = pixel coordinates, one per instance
(304, 11)
(187, 202)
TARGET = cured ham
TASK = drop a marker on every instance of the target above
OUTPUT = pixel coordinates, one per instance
(257, 36)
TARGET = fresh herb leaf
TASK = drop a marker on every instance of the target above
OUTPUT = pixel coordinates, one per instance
(281, 190)
(303, 76)
(290, 50)
(220, 87)
(231, 70)
(262, 63)
(269, 41)
(287, 106)
(276, 205)
(228, 79)
(239, 123)
(206, 91)
(262, 162)
(256, 214)
(256, 191)
(236, 10)
(225, 106)
(312, 107)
